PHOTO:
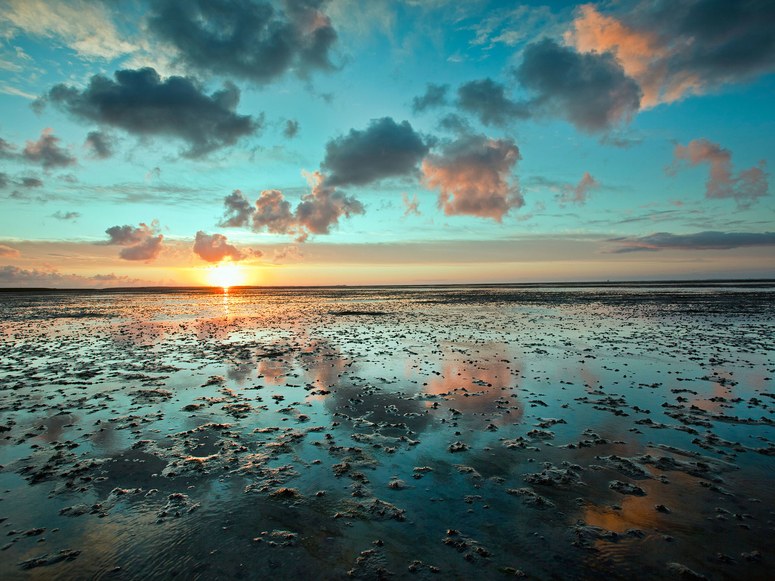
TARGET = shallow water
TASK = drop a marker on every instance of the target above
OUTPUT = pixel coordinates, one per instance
(569, 433)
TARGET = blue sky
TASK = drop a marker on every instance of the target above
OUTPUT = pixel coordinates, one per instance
(384, 142)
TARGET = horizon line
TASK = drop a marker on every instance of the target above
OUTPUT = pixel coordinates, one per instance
(609, 282)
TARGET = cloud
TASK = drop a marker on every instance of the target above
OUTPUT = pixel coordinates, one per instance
(455, 123)
(291, 129)
(272, 212)
(4, 181)
(140, 243)
(674, 50)
(487, 100)
(317, 212)
(745, 188)
(591, 90)
(513, 25)
(247, 39)
(215, 248)
(7, 150)
(100, 144)
(153, 174)
(321, 209)
(15, 277)
(141, 103)
(577, 194)
(238, 212)
(411, 206)
(434, 96)
(384, 149)
(287, 254)
(473, 176)
(8, 252)
(708, 240)
(29, 182)
(47, 152)
(66, 216)
(84, 26)
(148, 249)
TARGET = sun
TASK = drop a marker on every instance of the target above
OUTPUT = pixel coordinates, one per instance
(226, 275)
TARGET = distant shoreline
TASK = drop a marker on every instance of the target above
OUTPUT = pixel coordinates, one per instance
(700, 283)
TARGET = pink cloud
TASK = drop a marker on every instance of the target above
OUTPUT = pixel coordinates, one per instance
(8, 252)
(473, 175)
(215, 248)
(578, 194)
(673, 52)
(745, 187)
(47, 151)
(411, 206)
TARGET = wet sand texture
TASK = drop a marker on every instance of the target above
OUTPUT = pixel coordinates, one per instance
(439, 433)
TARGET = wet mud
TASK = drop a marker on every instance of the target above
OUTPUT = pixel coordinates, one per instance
(370, 433)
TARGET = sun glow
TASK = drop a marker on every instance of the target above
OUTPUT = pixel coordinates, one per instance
(226, 275)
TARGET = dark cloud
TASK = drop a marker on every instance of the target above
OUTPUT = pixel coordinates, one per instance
(473, 175)
(676, 49)
(215, 248)
(247, 39)
(487, 100)
(69, 178)
(128, 235)
(591, 90)
(454, 123)
(745, 187)
(47, 152)
(434, 96)
(66, 216)
(291, 128)
(7, 150)
(29, 182)
(238, 211)
(141, 103)
(384, 149)
(140, 243)
(708, 240)
(100, 144)
(148, 249)
(4, 181)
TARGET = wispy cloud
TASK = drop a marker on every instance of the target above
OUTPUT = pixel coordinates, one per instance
(86, 27)
(16, 277)
(709, 240)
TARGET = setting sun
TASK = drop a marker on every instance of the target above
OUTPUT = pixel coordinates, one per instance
(226, 275)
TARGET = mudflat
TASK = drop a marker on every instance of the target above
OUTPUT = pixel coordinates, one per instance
(415, 432)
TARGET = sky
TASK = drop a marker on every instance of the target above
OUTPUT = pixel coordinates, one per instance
(314, 142)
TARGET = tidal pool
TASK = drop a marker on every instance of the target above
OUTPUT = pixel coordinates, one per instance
(430, 432)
